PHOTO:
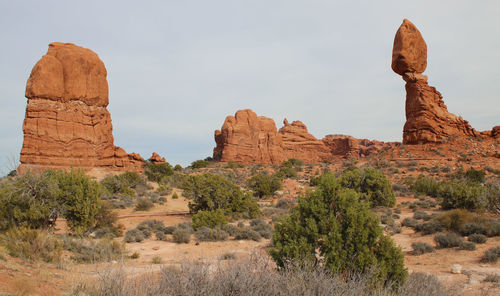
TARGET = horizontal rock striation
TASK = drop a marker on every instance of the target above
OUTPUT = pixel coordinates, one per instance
(67, 123)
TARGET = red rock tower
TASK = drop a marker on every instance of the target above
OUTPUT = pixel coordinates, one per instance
(67, 123)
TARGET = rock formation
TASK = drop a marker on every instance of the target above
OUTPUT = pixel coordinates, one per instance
(67, 123)
(248, 138)
(427, 118)
(156, 158)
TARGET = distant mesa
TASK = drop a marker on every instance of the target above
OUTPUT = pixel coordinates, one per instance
(156, 158)
(248, 138)
(427, 118)
(67, 123)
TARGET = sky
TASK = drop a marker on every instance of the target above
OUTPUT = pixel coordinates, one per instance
(176, 69)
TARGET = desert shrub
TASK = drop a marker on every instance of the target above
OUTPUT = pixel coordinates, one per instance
(36, 201)
(201, 163)
(160, 235)
(211, 192)
(32, 244)
(91, 251)
(120, 201)
(156, 172)
(188, 226)
(207, 234)
(420, 248)
(468, 246)
(177, 168)
(491, 255)
(455, 220)
(247, 234)
(430, 227)
(420, 215)
(264, 185)
(478, 238)
(284, 203)
(286, 172)
(262, 227)
(492, 196)
(492, 278)
(209, 219)
(473, 228)
(371, 184)
(164, 190)
(335, 222)
(477, 176)
(135, 255)
(252, 277)
(409, 222)
(151, 224)
(228, 256)
(120, 184)
(134, 235)
(230, 229)
(175, 196)
(143, 204)
(448, 240)
(387, 220)
(424, 185)
(456, 194)
(181, 236)
(169, 229)
(156, 260)
(106, 222)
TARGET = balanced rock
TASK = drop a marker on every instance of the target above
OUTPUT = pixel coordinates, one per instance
(427, 118)
(156, 158)
(409, 53)
(67, 123)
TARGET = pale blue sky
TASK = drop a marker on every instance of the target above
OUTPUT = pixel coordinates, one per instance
(176, 69)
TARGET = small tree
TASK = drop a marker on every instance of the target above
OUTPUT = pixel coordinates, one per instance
(210, 219)
(156, 172)
(264, 185)
(211, 192)
(371, 184)
(334, 227)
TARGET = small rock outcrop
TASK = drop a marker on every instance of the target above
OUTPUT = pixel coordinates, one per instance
(427, 118)
(67, 123)
(248, 138)
(156, 158)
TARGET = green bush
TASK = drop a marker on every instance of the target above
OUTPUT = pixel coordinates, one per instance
(430, 227)
(121, 184)
(409, 222)
(335, 222)
(448, 240)
(164, 190)
(477, 176)
(264, 185)
(201, 163)
(134, 236)
(457, 194)
(32, 244)
(209, 219)
(372, 185)
(478, 238)
(106, 222)
(468, 246)
(264, 229)
(91, 251)
(420, 248)
(181, 236)
(425, 185)
(143, 204)
(175, 196)
(177, 168)
(208, 234)
(455, 220)
(211, 192)
(247, 234)
(156, 172)
(491, 255)
(230, 229)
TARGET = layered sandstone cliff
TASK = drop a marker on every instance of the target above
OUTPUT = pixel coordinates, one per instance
(67, 123)
(248, 138)
(427, 118)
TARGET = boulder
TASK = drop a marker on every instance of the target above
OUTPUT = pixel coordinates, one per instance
(156, 158)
